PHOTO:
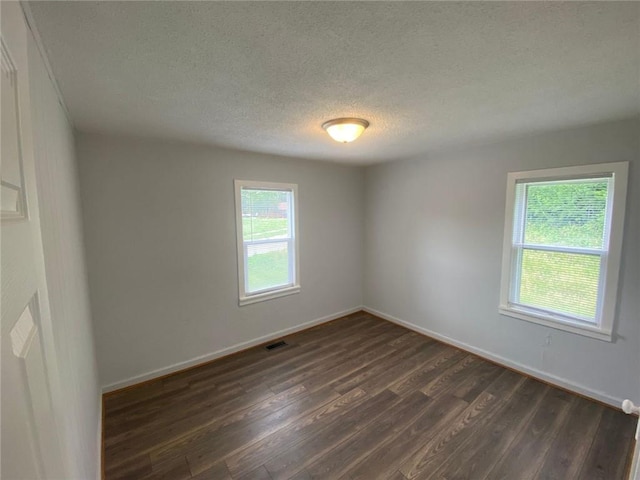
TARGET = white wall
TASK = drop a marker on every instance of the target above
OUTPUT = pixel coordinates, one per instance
(427, 233)
(433, 246)
(161, 250)
(78, 394)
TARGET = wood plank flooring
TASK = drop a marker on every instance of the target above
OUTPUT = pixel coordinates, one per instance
(359, 398)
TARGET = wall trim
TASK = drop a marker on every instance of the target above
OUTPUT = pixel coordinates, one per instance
(533, 372)
(176, 367)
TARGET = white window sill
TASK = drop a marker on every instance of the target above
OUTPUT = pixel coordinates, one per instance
(262, 297)
(553, 322)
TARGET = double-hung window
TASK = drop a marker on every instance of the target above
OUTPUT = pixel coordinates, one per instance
(562, 247)
(267, 236)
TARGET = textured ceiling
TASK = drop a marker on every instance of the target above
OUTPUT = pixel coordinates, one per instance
(264, 76)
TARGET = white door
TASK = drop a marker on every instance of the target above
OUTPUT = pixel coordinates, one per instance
(30, 443)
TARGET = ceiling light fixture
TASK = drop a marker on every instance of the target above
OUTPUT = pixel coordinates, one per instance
(345, 130)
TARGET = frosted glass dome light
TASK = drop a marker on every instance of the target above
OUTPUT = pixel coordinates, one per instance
(345, 130)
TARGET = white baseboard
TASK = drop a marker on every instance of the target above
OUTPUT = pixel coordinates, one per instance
(223, 352)
(533, 372)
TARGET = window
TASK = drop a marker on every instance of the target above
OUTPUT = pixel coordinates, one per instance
(267, 240)
(562, 245)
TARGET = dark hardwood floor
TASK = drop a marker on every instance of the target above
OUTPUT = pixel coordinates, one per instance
(359, 398)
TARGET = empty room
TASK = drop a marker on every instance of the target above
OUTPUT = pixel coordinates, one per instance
(320, 240)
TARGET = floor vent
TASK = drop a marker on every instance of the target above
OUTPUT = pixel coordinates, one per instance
(279, 344)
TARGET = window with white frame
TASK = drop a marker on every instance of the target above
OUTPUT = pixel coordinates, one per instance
(266, 221)
(562, 246)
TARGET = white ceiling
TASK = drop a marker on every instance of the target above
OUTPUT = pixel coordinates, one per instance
(264, 76)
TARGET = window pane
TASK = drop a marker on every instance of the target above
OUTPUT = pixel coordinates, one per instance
(265, 214)
(561, 282)
(267, 266)
(570, 214)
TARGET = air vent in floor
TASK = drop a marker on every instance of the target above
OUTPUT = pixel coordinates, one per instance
(279, 344)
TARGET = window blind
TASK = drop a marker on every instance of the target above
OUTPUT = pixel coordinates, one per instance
(560, 237)
(267, 233)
